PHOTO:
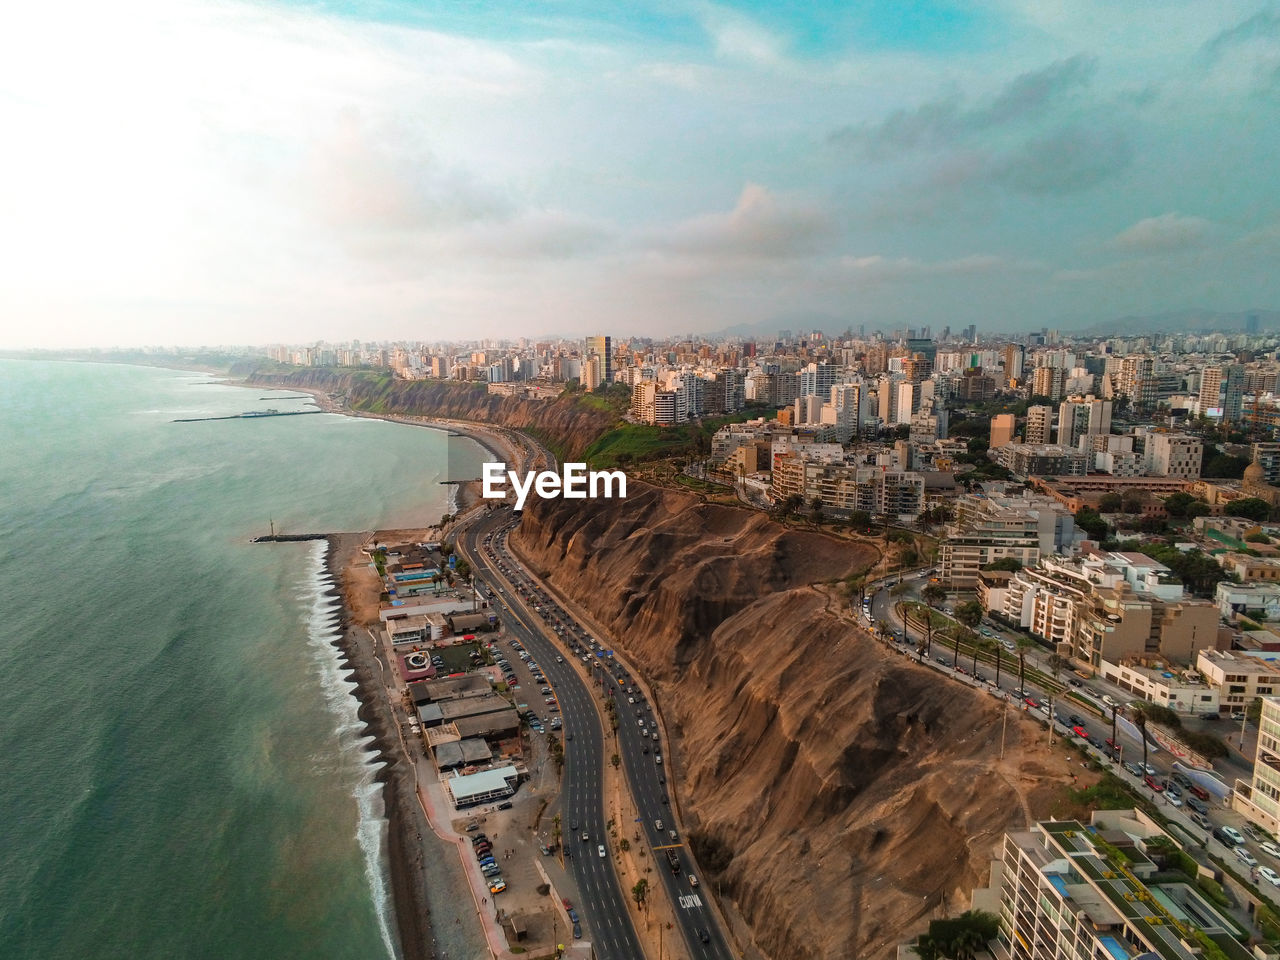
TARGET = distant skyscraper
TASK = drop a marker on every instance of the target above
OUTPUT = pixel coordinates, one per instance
(1078, 416)
(603, 348)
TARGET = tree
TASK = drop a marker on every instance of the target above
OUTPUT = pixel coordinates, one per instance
(1110, 503)
(959, 633)
(1092, 524)
(1023, 644)
(1139, 716)
(640, 893)
(1115, 708)
(933, 594)
(1132, 501)
(1012, 564)
(815, 510)
(1251, 508)
(1177, 504)
(970, 613)
(979, 644)
(615, 760)
(999, 649)
(1253, 712)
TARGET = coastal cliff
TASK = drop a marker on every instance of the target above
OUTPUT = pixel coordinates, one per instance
(836, 793)
(567, 424)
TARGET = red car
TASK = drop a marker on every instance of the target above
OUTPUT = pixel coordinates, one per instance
(1112, 744)
(1080, 732)
(1154, 784)
(1031, 702)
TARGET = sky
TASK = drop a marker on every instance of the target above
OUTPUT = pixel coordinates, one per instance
(220, 172)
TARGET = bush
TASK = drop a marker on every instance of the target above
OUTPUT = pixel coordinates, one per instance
(1213, 890)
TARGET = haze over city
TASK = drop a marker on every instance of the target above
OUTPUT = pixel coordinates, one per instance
(193, 172)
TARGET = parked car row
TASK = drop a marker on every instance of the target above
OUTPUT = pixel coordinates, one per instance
(483, 850)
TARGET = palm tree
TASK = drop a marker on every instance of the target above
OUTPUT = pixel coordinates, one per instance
(998, 649)
(959, 633)
(815, 510)
(1023, 644)
(1140, 721)
(979, 643)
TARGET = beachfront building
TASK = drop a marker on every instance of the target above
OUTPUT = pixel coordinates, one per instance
(466, 790)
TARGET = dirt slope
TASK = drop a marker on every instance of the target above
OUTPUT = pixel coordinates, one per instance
(835, 791)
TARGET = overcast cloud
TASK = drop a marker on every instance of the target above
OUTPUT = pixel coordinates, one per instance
(215, 171)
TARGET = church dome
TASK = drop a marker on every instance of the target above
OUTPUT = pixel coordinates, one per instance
(1253, 473)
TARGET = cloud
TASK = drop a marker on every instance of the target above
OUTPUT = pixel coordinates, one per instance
(359, 179)
(739, 38)
(1169, 231)
(1070, 160)
(760, 225)
(945, 120)
(881, 268)
(1265, 24)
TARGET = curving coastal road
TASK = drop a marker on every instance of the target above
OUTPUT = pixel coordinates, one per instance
(637, 742)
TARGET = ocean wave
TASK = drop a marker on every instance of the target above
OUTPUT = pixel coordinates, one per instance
(339, 692)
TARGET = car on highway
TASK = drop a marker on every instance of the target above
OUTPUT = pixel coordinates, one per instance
(1080, 732)
(703, 935)
(1153, 783)
(600, 849)
(1200, 820)
(1134, 768)
(586, 838)
(1031, 702)
(693, 881)
(1269, 875)
(1244, 856)
(1199, 806)
(1269, 848)
(657, 825)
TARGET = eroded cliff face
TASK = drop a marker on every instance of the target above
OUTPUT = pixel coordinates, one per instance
(834, 790)
(564, 422)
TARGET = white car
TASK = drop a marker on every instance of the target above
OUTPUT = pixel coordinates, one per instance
(1270, 848)
(1235, 835)
(600, 850)
(1245, 857)
(1270, 876)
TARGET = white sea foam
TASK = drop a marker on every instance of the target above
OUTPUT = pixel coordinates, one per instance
(339, 693)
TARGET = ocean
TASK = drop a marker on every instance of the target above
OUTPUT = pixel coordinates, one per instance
(183, 773)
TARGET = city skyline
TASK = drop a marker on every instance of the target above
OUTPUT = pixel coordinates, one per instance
(200, 172)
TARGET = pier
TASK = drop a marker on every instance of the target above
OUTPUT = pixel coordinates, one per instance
(251, 415)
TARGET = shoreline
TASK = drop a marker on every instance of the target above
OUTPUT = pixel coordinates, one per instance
(358, 662)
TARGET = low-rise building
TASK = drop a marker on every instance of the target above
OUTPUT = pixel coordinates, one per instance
(1182, 690)
(844, 488)
(1240, 678)
(1253, 600)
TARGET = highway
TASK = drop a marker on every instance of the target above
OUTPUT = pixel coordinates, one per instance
(637, 742)
(601, 901)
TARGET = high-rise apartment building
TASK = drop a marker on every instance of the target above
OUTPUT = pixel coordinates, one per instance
(1014, 357)
(1039, 424)
(1135, 379)
(1048, 382)
(1078, 416)
(1259, 798)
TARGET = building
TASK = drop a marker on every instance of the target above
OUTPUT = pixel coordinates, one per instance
(1042, 459)
(1060, 895)
(1136, 380)
(846, 488)
(1111, 607)
(1174, 455)
(1039, 424)
(990, 528)
(1259, 798)
(1048, 382)
(653, 405)
(1252, 600)
(1081, 416)
(1250, 569)
(1267, 457)
(602, 347)
(1240, 677)
(1014, 357)
(483, 787)
(1002, 428)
